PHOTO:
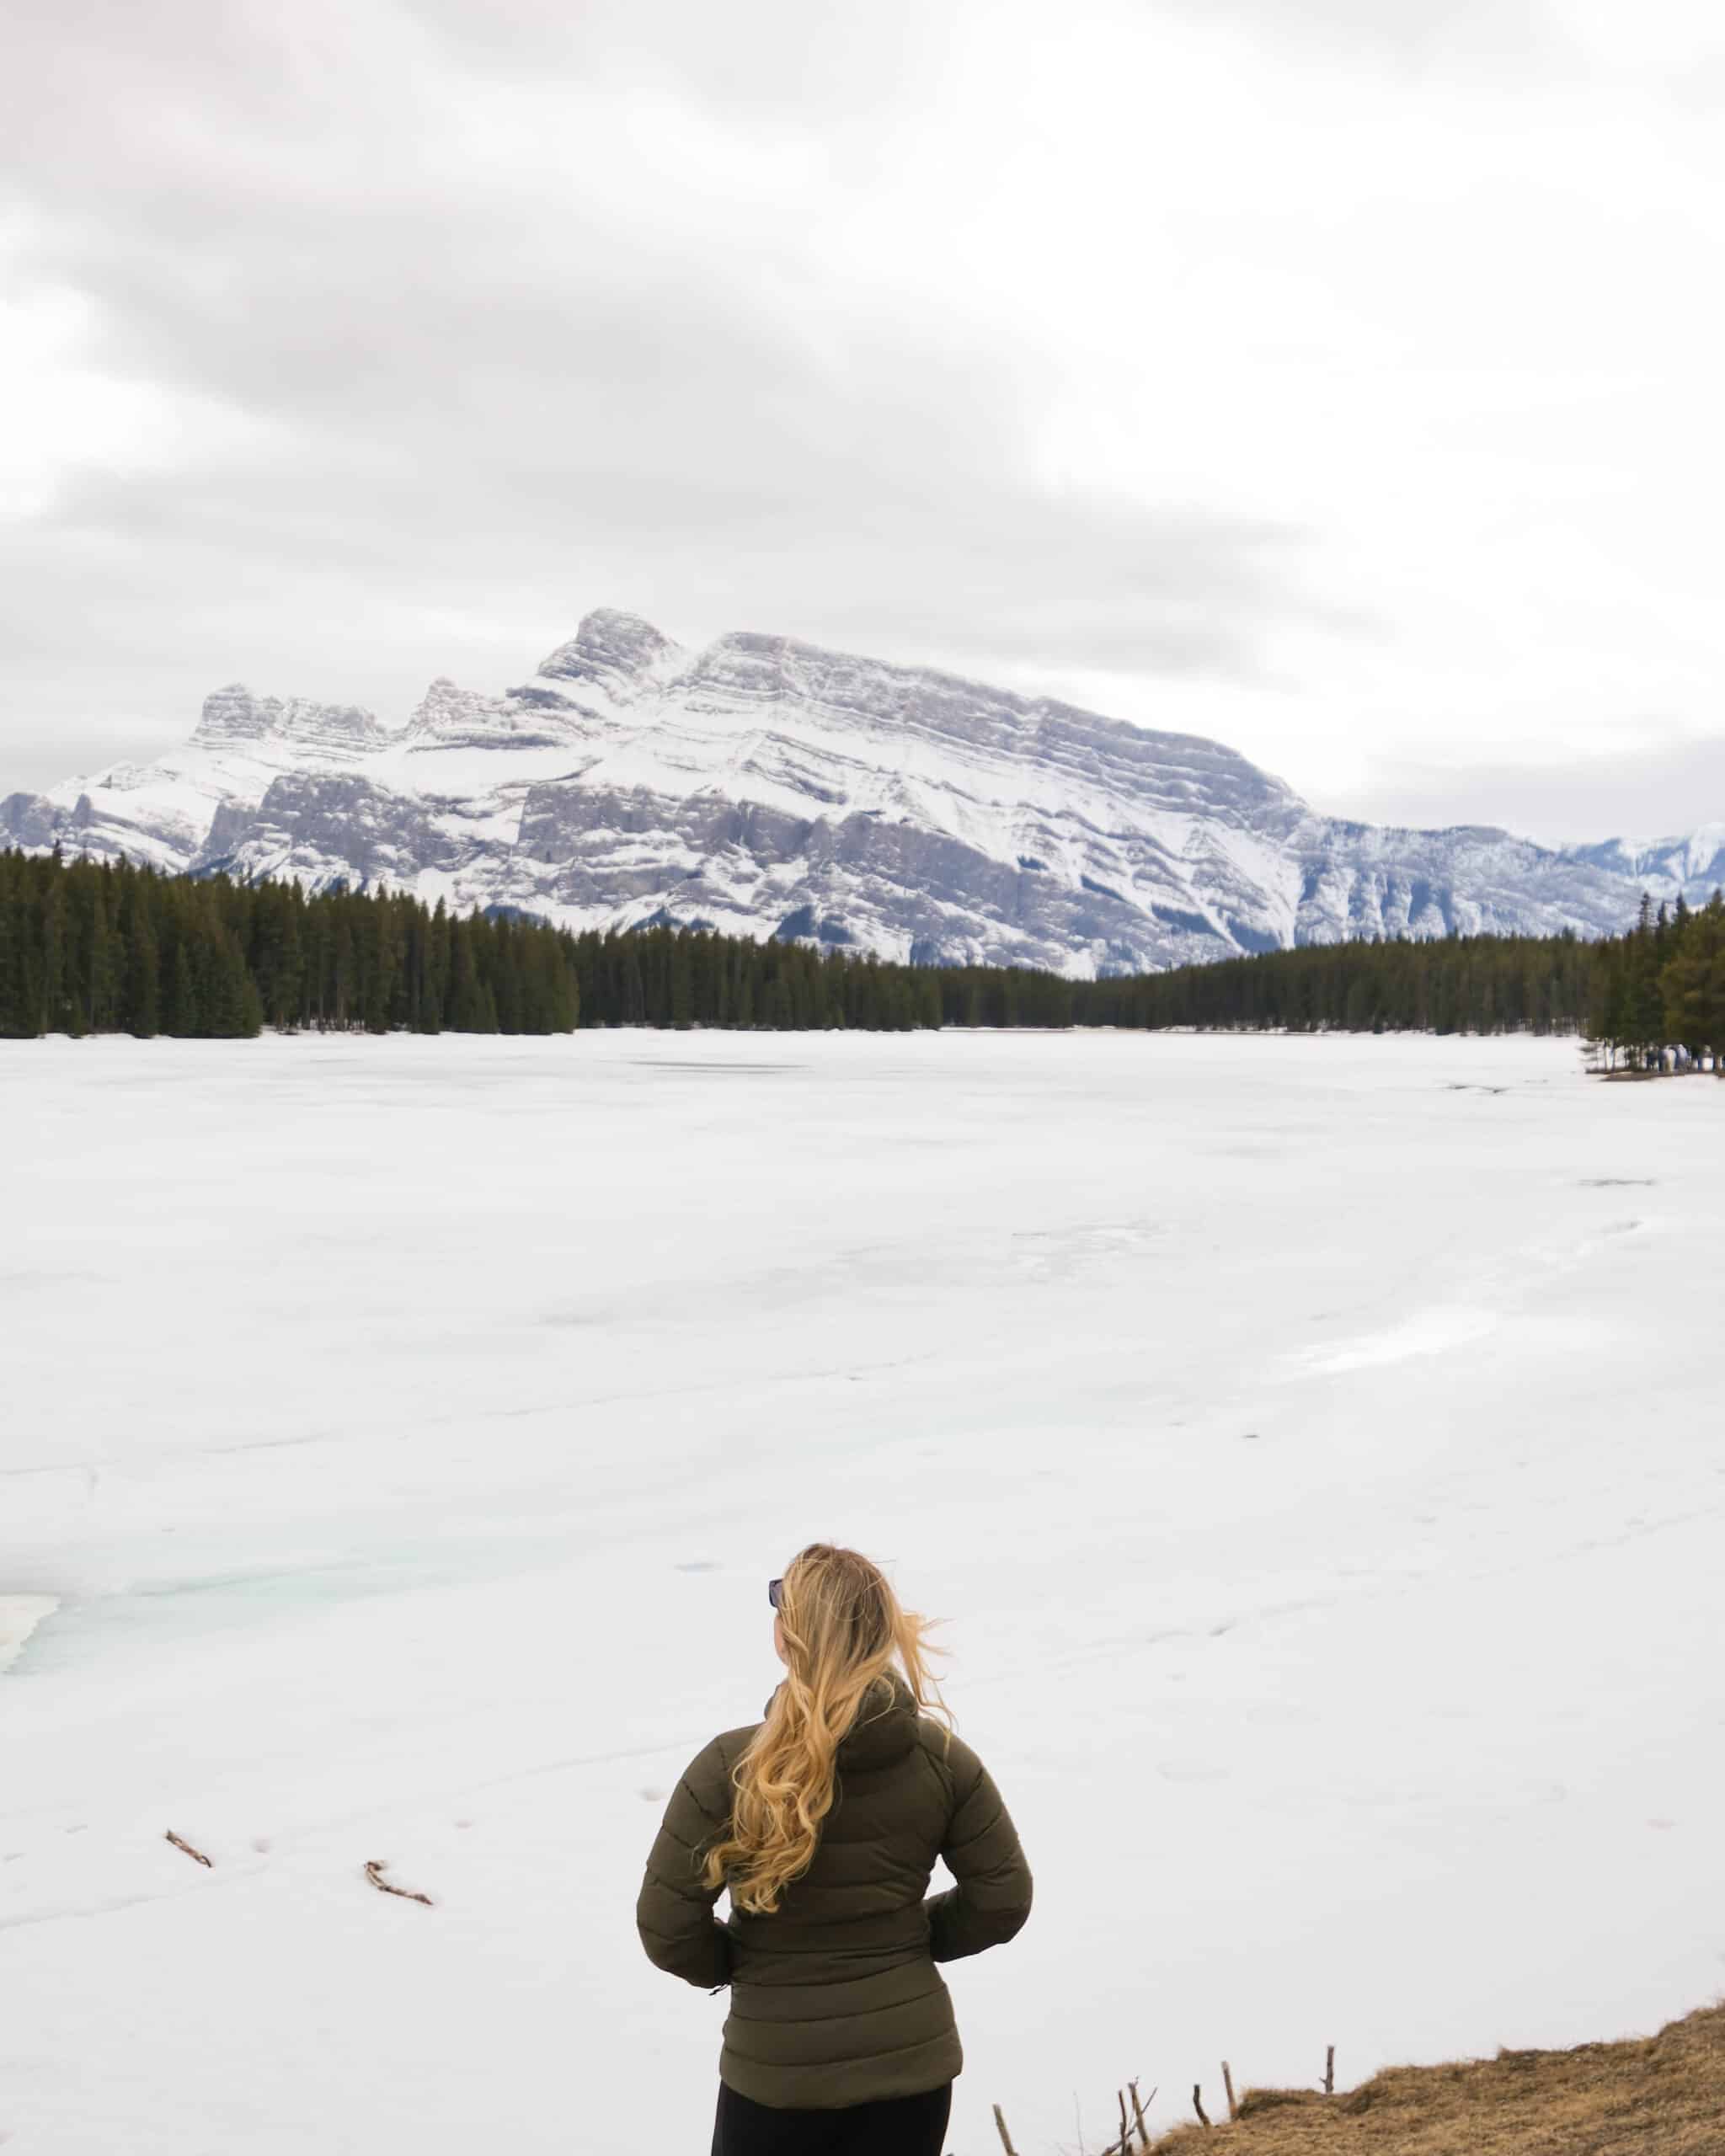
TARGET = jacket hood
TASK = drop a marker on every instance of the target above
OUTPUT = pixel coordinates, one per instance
(885, 1727)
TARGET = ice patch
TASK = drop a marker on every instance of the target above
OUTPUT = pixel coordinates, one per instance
(1426, 1332)
(19, 1616)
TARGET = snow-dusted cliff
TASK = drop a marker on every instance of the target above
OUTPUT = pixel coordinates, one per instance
(765, 786)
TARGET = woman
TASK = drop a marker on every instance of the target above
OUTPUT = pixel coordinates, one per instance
(824, 1822)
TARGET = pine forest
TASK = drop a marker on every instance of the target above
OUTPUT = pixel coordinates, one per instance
(92, 948)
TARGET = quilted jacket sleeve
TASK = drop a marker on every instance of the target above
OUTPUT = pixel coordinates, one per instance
(992, 1899)
(674, 1913)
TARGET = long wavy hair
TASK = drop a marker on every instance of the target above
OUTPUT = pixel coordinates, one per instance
(843, 1629)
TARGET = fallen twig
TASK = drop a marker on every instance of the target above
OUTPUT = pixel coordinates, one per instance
(197, 1856)
(375, 1870)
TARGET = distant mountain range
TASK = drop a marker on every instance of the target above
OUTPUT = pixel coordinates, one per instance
(768, 787)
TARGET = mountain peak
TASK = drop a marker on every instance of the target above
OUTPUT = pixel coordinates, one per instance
(234, 716)
(610, 648)
(230, 714)
(443, 703)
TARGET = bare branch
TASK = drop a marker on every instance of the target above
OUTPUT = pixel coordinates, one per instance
(1198, 2103)
(375, 1870)
(1138, 2114)
(197, 1856)
(1001, 2128)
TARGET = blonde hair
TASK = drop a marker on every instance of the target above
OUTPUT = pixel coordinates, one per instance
(843, 1628)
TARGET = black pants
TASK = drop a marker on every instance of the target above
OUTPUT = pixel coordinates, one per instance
(901, 2126)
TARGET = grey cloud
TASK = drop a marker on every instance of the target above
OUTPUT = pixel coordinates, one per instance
(1657, 785)
(461, 404)
(459, 386)
(773, 58)
(1508, 38)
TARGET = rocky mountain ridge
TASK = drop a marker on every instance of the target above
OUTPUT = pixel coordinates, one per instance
(765, 786)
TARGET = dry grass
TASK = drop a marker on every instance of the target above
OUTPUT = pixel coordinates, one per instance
(1661, 2095)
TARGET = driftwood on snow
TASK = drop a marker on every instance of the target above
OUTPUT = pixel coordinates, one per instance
(375, 1870)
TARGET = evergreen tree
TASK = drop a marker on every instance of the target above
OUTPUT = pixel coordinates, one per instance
(180, 1016)
(140, 994)
(20, 1013)
(1692, 983)
(52, 1016)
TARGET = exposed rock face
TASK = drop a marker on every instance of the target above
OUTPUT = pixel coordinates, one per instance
(767, 787)
(233, 717)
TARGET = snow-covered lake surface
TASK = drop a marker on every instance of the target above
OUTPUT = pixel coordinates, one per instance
(1314, 1445)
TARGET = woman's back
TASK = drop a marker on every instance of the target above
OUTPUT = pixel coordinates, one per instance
(835, 2000)
(824, 1822)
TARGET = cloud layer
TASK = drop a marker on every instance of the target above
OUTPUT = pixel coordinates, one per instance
(1343, 391)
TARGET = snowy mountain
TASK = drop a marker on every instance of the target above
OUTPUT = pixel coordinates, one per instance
(765, 786)
(1694, 865)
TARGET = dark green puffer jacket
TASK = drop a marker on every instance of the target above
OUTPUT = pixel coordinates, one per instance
(835, 1998)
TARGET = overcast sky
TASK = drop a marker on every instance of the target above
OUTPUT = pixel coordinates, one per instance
(1341, 378)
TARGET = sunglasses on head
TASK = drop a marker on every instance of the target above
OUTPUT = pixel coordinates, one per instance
(776, 1592)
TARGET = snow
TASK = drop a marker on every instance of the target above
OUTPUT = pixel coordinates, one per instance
(1312, 1443)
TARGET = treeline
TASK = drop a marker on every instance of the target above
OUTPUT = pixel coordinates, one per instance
(1462, 984)
(1662, 982)
(696, 977)
(1660, 986)
(102, 947)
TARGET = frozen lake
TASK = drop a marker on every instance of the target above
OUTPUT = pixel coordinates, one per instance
(1314, 1444)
